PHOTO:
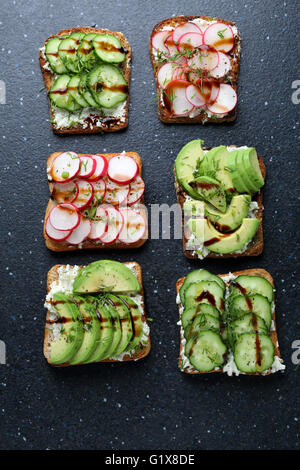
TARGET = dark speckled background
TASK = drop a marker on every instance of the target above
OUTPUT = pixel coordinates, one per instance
(149, 404)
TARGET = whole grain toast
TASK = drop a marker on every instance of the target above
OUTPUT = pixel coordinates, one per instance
(87, 244)
(254, 248)
(108, 124)
(142, 352)
(163, 113)
(273, 333)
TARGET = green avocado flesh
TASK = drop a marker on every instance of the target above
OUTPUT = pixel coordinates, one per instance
(234, 215)
(211, 191)
(187, 161)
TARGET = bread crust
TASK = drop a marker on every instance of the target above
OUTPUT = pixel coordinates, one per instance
(165, 115)
(48, 77)
(87, 244)
(273, 334)
(255, 247)
(143, 352)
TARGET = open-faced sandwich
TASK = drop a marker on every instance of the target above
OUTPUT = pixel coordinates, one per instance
(196, 62)
(95, 313)
(227, 323)
(96, 202)
(220, 193)
(86, 73)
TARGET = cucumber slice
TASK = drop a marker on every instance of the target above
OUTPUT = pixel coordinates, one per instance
(67, 52)
(249, 285)
(60, 96)
(205, 351)
(51, 52)
(190, 314)
(202, 322)
(204, 292)
(73, 86)
(197, 276)
(86, 53)
(248, 323)
(109, 48)
(253, 353)
(257, 304)
(85, 92)
(107, 85)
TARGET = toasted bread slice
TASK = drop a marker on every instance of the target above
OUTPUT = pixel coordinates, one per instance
(164, 114)
(254, 248)
(89, 126)
(88, 244)
(273, 333)
(143, 352)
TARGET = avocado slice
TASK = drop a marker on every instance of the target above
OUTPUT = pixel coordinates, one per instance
(187, 161)
(210, 190)
(117, 332)
(125, 322)
(106, 276)
(106, 333)
(251, 188)
(71, 335)
(215, 165)
(137, 322)
(251, 164)
(192, 208)
(223, 243)
(235, 173)
(233, 217)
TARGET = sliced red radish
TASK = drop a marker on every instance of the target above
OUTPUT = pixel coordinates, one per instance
(175, 99)
(137, 188)
(164, 75)
(215, 90)
(99, 190)
(56, 235)
(99, 225)
(223, 66)
(195, 96)
(122, 169)
(225, 102)
(114, 225)
(183, 29)
(205, 58)
(64, 217)
(116, 193)
(80, 233)
(170, 45)
(87, 166)
(134, 226)
(180, 61)
(65, 167)
(64, 192)
(179, 73)
(101, 168)
(85, 194)
(220, 36)
(190, 41)
(158, 41)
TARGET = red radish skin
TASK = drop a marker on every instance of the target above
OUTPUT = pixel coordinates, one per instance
(226, 100)
(114, 225)
(80, 233)
(87, 166)
(223, 66)
(137, 189)
(56, 235)
(64, 192)
(64, 217)
(85, 194)
(99, 190)
(101, 168)
(158, 41)
(170, 45)
(220, 36)
(134, 227)
(122, 169)
(175, 99)
(189, 41)
(100, 225)
(64, 167)
(179, 73)
(184, 28)
(164, 75)
(195, 97)
(116, 193)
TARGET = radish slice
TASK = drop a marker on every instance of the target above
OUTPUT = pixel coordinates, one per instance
(170, 45)
(205, 58)
(158, 41)
(180, 61)
(64, 217)
(87, 166)
(220, 36)
(183, 29)
(101, 168)
(137, 188)
(56, 235)
(99, 190)
(134, 226)
(99, 225)
(225, 102)
(80, 233)
(85, 194)
(195, 97)
(215, 90)
(223, 66)
(179, 73)
(116, 193)
(114, 225)
(164, 75)
(65, 192)
(190, 41)
(122, 169)
(175, 99)
(65, 167)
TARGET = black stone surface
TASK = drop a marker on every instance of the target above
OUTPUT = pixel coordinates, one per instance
(149, 404)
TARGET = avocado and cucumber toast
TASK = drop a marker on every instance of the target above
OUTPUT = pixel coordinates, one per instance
(227, 321)
(215, 189)
(100, 316)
